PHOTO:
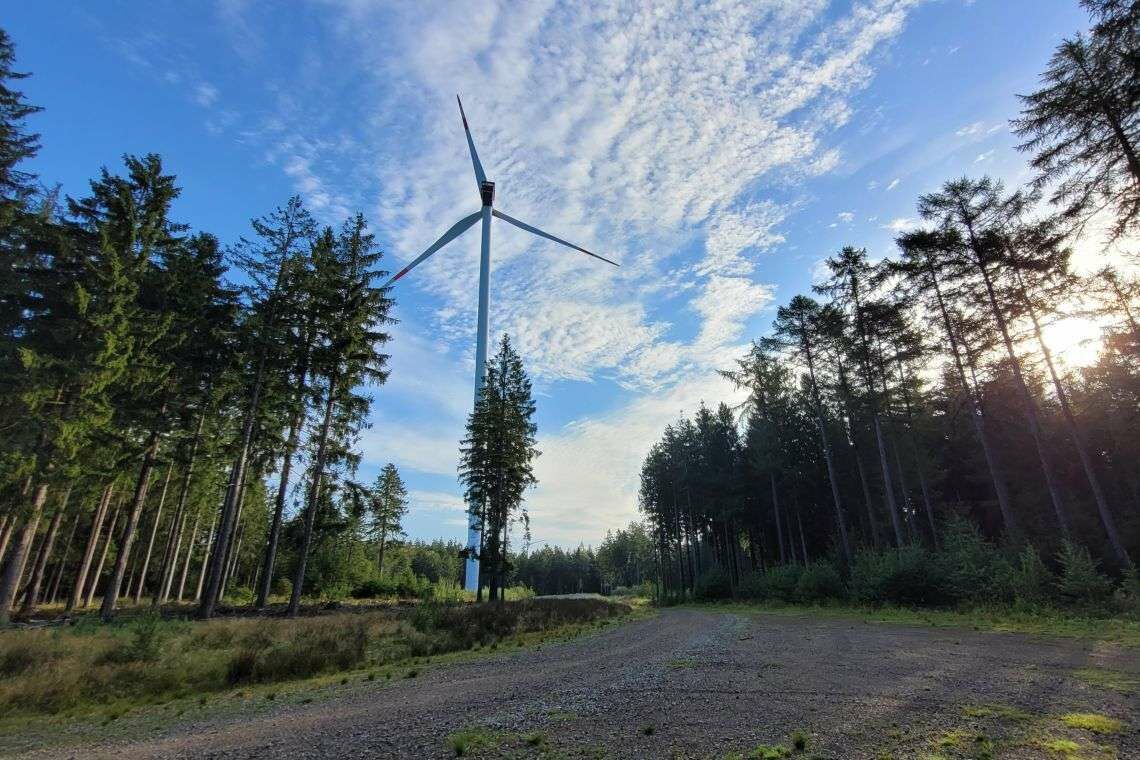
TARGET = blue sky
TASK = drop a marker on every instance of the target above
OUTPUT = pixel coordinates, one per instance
(719, 151)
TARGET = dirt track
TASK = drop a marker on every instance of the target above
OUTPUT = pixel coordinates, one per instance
(709, 683)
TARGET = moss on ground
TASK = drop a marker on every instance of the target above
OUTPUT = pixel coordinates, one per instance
(1094, 722)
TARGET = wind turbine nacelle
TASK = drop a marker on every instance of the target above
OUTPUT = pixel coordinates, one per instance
(487, 192)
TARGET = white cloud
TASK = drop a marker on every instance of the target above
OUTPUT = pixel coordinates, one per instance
(724, 303)
(205, 94)
(846, 216)
(894, 183)
(732, 233)
(976, 128)
(901, 224)
(638, 130)
(983, 157)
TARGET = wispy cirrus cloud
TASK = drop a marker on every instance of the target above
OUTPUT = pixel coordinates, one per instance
(665, 136)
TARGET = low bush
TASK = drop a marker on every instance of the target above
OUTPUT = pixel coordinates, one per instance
(910, 576)
(775, 584)
(713, 584)
(1081, 584)
(147, 658)
(820, 582)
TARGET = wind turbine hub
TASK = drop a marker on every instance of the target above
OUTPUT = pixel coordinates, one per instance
(487, 191)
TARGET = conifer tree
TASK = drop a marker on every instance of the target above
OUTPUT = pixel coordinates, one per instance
(348, 355)
(387, 505)
(1083, 124)
(496, 459)
(282, 238)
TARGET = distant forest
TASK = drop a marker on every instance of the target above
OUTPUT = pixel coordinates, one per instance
(912, 399)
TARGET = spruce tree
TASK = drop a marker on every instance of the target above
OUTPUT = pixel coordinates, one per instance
(496, 458)
(348, 355)
(387, 505)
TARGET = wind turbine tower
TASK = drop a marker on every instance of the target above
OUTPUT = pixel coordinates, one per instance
(487, 197)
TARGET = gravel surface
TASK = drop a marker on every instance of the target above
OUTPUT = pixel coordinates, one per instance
(694, 683)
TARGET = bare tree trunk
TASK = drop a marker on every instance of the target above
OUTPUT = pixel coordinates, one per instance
(174, 539)
(32, 593)
(776, 511)
(205, 562)
(855, 451)
(236, 548)
(14, 567)
(7, 525)
(314, 499)
(803, 541)
(186, 562)
(840, 520)
(977, 417)
(153, 534)
(1106, 518)
(1029, 403)
(103, 556)
(295, 425)
(231, 551)
(57, 576)
(127, 542)
(76, 597)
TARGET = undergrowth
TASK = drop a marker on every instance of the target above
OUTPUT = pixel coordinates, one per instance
(149, 659)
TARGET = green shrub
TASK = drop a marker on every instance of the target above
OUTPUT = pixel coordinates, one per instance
(910, 576)
(309, 650)
(713, 584)
(1028, 582)
(820, 582)
(1082, 585)
(972, 569)
(777, 583)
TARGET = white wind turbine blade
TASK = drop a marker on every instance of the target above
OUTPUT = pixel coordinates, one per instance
(548, 236)
(480, 177)
(456, 230)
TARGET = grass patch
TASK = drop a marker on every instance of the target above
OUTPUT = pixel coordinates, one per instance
(1108, 679)
(1094, 722)
(87, 667)
(799, 740)
(1121, 630)
(470, 741)
(1065, 748)
(969, 743)
(768, 752)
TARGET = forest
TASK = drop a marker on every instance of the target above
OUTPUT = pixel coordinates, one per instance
(909, 434)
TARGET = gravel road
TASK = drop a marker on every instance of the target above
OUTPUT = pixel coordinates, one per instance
(694, 683)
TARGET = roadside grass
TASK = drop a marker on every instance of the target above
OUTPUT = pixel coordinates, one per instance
(1094, 722)
(89, 669)
(994, 730)
(1108, 679)
(1121, 630)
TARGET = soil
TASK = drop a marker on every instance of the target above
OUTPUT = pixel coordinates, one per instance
(697, 683)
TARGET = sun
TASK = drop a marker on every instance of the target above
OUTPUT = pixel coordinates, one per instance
(1074, 341)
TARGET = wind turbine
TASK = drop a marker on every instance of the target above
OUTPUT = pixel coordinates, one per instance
(487, 196)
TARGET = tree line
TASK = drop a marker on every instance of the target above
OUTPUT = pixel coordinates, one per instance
(168, 434)
(913, 389)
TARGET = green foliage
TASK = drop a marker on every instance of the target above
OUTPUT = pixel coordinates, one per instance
(68, 668)
(1081, 584)
(776, 583)
(308, 651)
(910, 576)
(820, 582)
(714, 584)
